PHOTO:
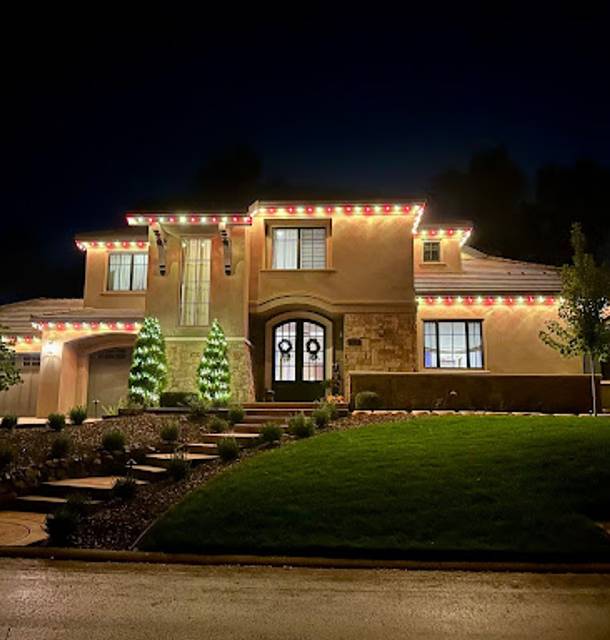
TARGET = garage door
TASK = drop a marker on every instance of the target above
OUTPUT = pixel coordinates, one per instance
(108, 375)
(20, 399)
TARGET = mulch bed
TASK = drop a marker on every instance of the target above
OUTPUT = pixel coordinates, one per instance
(118, 525)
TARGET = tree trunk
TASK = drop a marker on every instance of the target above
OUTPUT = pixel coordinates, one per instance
(593, 388)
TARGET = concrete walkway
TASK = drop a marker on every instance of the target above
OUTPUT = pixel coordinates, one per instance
(21, 528)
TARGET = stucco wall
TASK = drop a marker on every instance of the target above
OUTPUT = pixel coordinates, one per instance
(510, 337)
(478, 391)
(451, 255)
(95, 294)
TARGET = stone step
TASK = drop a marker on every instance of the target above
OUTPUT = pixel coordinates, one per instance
(98, 486)
(46, 504)
(243, 439)
(148, 472)
(202, 447)
(164, 459)
(256, 428)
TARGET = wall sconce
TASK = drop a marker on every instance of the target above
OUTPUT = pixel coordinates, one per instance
(51, 349)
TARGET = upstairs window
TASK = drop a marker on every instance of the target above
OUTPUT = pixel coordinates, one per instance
(127, 271)
(195, 288)
(299, 248)
(453, 344)
(432, 251)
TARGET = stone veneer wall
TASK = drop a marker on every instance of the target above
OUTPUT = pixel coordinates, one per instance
(183, 359)
(379, 342)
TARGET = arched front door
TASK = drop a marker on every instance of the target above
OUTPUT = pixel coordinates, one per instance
(299, 353)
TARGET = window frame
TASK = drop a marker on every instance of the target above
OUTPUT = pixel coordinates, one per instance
(425, 243)
(466, 322)
(299, 229)
(132, 254)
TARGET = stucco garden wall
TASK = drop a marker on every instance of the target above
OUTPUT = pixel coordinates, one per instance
(478, 391)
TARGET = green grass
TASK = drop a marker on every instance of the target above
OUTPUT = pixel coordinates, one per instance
(449, 484)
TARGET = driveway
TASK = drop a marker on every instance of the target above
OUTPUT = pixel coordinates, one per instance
(42, 599)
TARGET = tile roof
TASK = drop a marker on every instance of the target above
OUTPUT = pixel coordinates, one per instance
(482, 273)
(16, 318)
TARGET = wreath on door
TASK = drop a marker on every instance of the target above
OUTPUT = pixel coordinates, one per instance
(285, 347)
(313, 347)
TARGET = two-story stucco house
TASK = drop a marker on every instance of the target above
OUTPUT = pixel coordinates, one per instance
(304, 292)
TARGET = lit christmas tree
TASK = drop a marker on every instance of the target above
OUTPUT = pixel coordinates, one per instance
(214, 376)
(148, 373)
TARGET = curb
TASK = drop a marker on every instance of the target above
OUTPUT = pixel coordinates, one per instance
(149, 557)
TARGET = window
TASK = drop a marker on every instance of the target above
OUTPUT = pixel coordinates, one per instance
(28, 361)
(453, 344)
(127, 271)
(299, 248)
(432, 251)
(195, 289)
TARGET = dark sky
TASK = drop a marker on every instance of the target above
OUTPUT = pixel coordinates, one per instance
(107, 111)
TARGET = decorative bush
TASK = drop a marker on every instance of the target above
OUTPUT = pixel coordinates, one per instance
(113, 440)
(235, 414)
(148, 374)
(300, 426)
(6, 456)
(331, 408)
(9, 422)
(270, 433)
(214, 376)
(124, 488)
(170, 432)
(62, 524)
(177, 398)
(199, 408)
(179, 467)
(77, 502)
(321, 417)
(367, 400)
(57, 421)
(61, 447)
(228, 449)
(78, 414)
(218, 424)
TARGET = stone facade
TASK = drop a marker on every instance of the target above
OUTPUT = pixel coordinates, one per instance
(183, 357)
(379, 342)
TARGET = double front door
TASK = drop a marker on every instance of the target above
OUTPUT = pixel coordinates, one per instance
(299, 361)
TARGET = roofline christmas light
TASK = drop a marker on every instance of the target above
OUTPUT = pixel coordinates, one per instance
(463, 233)
(346, 209)
(145, 219)
(489, 300)
(84, 245)
(12, 339)
(129, 326)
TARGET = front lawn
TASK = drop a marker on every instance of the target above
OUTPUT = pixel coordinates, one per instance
(453, 484)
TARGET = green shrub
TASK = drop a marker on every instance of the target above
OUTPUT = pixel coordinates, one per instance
(177, 398)
(270, 433)
(113, 440)
(62, 525)
(6, 456)
(61, 447)
(170, 432)
(124, 488)
(199, 408)
(218, 425)
(321, 417)
(77, 502)
(235, 414)
(331, 408)
(228, 449)
(78, 414)
(367, 400)
(300, 426)
(9, 422)
(179, 467)
(57, 421)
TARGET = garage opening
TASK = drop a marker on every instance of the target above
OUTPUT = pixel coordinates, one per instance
(20, 399)
(108, 376)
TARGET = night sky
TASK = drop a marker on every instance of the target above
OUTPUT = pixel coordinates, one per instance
(113, 112)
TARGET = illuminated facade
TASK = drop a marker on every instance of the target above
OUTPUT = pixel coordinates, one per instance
(305, 292)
